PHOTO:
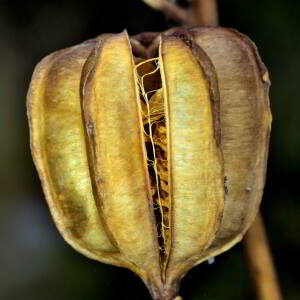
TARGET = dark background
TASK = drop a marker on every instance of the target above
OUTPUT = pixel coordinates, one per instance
(35, 262)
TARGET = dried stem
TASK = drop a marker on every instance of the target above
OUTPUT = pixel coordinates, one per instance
(260, 263)
(202, 12)
(259, 256)
(173, 11)
(205, 12)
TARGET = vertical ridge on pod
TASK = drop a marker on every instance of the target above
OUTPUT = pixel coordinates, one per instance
(116, 147)
(196, 165)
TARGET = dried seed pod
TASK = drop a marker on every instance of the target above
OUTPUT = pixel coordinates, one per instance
(152, 150)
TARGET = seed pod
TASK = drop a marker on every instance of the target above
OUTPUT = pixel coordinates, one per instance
(152, 150)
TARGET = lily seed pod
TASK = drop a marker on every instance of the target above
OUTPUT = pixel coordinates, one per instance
(152, 150)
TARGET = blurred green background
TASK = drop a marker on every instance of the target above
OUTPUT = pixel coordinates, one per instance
(35, 262)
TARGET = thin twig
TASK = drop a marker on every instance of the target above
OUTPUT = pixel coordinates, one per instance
(259, 256)
(173, 11)
(260, 262)
(202, 12)
(205, 12)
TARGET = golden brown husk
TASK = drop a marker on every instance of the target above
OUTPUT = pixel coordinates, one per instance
(89, 113)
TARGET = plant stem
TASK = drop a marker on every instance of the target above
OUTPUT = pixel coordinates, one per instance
(172, 11)
(260, 262)
(202, 12)
(205, 12)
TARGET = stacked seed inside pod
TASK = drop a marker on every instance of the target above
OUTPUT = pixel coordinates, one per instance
(153, 115)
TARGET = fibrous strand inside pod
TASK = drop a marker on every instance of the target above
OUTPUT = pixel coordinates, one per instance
(155, 134)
